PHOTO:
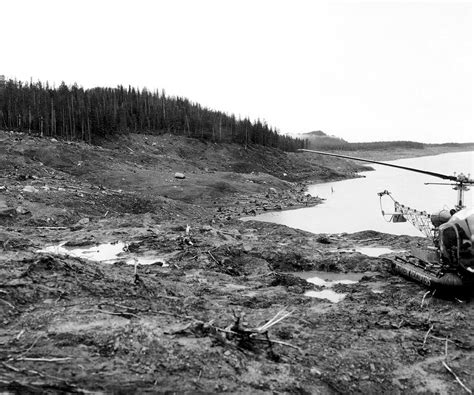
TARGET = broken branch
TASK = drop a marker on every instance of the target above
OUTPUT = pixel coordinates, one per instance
(424, 296)
(212, 256)
(123, 314)
(44, 359)
(8, 303)
(426, 335)
(456, 377)
(264, 340)
(34, 343)
(281, 315)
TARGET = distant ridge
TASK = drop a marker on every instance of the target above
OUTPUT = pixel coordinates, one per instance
(319, 133)
(320, 140)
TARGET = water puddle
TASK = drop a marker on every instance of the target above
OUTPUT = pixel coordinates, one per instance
(376, 251)
(370, 251)
(328, 280)
(323, 283)
(327, 294)
(104, 253)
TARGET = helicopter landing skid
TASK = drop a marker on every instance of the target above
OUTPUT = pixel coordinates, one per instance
(429, 273)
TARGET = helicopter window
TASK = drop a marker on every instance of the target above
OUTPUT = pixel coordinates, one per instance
(465, 243)
(449, 244)
(449, 237)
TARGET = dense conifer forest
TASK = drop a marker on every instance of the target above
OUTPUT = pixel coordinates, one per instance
(75, 113)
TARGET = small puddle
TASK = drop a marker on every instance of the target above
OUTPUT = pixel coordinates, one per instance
(376, 251)
(328, 294)
(323, 283)
(370, 251)
(328, 280)
(104, 253)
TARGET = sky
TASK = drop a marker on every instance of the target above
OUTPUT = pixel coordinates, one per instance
(360, 70)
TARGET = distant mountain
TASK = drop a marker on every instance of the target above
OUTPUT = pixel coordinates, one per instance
(315, 133)
(319, 139)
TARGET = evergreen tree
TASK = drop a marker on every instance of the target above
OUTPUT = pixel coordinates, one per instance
(74, 113)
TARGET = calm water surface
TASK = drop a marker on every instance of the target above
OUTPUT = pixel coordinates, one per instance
(353, 205)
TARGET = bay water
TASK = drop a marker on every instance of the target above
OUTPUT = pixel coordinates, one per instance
(353, 205)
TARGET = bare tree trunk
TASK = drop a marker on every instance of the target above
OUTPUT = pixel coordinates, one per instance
(220, 128)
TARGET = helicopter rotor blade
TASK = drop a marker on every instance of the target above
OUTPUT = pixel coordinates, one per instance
(430, 173)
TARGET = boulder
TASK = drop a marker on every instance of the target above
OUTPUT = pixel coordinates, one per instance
(30, 189)
(179, 176)
(272, 191)
(22, 210)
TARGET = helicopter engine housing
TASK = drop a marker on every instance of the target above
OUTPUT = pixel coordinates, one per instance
(440, 217)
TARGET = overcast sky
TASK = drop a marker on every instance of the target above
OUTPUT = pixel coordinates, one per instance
(361, 70)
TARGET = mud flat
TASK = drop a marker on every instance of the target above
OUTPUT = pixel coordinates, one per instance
(219, 305)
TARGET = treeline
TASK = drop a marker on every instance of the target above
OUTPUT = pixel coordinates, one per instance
(457, 145)
(376, 146)
(75, 113)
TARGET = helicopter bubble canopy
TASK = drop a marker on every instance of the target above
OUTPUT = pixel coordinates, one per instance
(465, 219)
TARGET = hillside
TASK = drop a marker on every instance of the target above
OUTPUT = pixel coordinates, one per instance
(139, 172)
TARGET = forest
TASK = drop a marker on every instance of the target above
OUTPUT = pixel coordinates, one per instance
(374, 145)
(74, 113)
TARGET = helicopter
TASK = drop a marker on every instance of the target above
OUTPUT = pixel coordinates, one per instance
(448, 265)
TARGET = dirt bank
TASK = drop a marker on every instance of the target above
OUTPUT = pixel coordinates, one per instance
(194, 318)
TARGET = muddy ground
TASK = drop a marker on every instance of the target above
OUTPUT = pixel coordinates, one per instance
(193, 321)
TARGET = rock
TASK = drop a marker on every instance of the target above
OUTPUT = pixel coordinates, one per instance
(83, 221)
(205, 228)
(323, 240)
(315, 371)
(3, 203)
(180, 176)
(7, 212)
(22, 210)
(272, 191)
(30, 189)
